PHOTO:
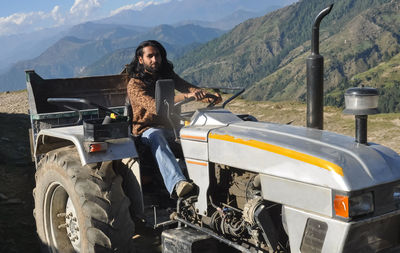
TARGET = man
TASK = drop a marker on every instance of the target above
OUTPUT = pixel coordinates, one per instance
(149, 65)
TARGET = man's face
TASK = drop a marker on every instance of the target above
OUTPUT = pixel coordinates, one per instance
(151, 59)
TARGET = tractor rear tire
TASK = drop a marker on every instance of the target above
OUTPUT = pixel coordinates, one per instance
(80, 208)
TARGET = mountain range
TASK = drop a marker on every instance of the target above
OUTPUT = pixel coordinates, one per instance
(176, 40)
(89, 48)
(70, 55)
(14, 48)
(219, 14)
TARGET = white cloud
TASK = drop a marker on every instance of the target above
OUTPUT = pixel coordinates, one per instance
(57, 16)
(84, 8)
(80, 11)
(138, 6)
(20, 18)
(25, 22)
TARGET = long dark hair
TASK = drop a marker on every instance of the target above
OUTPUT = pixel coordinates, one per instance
(137, 69)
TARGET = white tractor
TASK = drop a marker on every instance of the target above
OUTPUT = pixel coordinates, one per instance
(260, 187)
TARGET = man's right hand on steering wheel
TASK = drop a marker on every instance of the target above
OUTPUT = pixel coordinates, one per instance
(207, 97)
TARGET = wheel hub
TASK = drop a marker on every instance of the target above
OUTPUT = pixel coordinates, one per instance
(72, 225)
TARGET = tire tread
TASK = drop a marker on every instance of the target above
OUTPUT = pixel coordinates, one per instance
(102, 199)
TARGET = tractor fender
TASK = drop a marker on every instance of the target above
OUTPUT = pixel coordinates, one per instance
(50, 139)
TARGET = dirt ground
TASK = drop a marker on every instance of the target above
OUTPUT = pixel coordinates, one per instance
(17, 229)
(17, 226)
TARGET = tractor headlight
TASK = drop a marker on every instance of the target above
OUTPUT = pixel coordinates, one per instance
(361, 204)
(353, 206)
(396, 195)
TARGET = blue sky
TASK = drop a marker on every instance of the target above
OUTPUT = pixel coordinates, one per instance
(26, 6)
(26, 16)
(18, 16)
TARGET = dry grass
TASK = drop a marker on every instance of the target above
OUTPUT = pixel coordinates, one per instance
(14, 102)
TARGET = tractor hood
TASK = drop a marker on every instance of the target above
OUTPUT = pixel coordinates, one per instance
(303, 154)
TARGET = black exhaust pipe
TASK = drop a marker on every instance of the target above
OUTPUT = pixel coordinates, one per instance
(315, 77)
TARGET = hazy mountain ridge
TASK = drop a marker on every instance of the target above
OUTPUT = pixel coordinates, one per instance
(176, 40)
(95, 31)
(18, 47)
(230, 21)
(113, 62)
(123, 30)
(70, 56)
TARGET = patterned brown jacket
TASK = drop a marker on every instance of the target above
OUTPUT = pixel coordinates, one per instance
(142, 99)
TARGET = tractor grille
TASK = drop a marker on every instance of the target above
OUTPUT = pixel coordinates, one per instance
(378, 234)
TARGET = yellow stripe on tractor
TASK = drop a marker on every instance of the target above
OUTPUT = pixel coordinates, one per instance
(281, 151)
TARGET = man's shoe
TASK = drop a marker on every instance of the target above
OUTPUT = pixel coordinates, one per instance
(182, 188)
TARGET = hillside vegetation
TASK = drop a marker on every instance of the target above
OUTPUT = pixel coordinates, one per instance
(267, 55)
(387, 77)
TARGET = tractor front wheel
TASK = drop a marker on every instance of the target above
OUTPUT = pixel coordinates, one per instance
(80, 208)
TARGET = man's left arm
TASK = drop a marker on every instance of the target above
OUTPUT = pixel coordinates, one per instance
(183, 86)
(189, 90)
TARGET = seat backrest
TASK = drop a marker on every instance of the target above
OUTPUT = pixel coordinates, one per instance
(128, 112)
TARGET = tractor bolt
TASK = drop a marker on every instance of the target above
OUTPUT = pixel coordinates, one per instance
(61, 215)
(65, 225)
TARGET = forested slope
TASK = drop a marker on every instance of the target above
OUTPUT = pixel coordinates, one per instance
(267, 55)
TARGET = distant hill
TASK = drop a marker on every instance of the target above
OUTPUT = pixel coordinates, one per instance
(70, 56)
(114, 62)
(176, 40)
(267, 55)
(230, 21)
(96, 31)
(14, 48)
(63, 59)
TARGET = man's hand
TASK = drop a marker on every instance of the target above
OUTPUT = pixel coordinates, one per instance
(198, 95)
(219, 99)
(201, 95)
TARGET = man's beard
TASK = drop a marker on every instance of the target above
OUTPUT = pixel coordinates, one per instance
(152, 70)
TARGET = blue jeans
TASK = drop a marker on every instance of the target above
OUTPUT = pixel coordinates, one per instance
(156, 139)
